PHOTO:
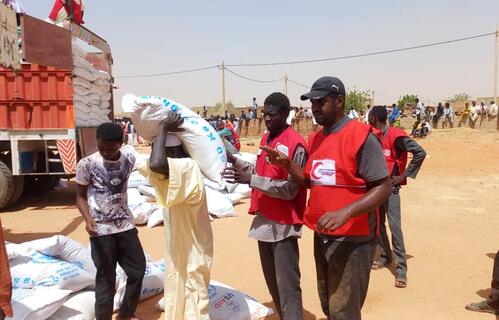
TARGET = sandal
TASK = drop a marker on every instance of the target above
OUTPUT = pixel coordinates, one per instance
(482, 306)
(378, 265)
(400, 283)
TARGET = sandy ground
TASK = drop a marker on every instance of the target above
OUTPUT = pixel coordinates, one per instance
(449, 220)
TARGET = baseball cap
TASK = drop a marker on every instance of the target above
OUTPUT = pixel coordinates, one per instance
(323, 87)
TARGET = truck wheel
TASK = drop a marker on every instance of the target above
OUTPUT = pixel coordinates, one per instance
(6, 184)
(18, 190)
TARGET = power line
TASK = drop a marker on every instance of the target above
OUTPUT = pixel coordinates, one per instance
(167, 73)
(362, 54)
(254, 80)
(298, 84)
(306, 61)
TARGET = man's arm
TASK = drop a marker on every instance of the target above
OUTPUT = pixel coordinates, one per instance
(280, 159)
(159, 155)
(82, 204)
(418, 155)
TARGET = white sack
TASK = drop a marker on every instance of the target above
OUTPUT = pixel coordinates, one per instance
(156, 218)
(142, 212)
(200, 139)
(227, 303)
(37, 304)
(147, 191)
(66, 249)
(243, 189)
(38, 270)
(136, 179)
(235, 198)
(218, 205)
(79, 306)
(134, 197)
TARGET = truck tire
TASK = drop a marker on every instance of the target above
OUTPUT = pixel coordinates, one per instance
(6, 185)
(18, 190)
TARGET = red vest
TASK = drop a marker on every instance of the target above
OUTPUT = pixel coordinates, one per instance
(334, 183)
(77, 10)
(390, 152)
(235, 136)
(278, 210)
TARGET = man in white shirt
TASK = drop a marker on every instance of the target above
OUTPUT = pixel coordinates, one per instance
(352, 114)
(483, 111)
(420, 109)
(493, 110)
(448, 116)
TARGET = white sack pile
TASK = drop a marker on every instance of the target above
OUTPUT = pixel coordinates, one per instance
(92, 91)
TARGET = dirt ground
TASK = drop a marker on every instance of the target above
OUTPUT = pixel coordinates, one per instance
(450, 222)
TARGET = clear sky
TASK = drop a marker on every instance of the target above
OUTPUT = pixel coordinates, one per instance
(157, 36)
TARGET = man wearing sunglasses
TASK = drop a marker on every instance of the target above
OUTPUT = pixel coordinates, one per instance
(348, 179)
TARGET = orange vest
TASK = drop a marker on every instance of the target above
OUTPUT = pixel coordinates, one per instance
(334, 183)
(278, 210)
(390, 151)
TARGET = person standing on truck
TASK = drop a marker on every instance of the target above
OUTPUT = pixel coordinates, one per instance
(348, 179)
(102, 181)
(5, 280)
(178, 182)
(277, 203)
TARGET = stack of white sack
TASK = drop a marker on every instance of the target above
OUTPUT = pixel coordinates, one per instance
(199, 138)
(92, 91)
(229, 303)
(58, 284)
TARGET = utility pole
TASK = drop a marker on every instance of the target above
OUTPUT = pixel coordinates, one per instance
(286, 84)
(496, 57)
(223, 88)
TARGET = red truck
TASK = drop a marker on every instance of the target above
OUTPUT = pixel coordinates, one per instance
(51, 104)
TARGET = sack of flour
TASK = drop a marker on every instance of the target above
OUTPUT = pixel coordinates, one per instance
(36, 304)
(200, 139)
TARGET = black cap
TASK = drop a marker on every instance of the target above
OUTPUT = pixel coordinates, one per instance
(323, 87)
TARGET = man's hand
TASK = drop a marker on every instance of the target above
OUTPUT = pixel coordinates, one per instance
(331, 221)
(276, 157)
(172, 122)
(397, 180)
(236, 175)
(91, 227)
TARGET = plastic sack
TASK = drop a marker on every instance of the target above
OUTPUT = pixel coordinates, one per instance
(36, 304)
(229, 303)
(235, 198)
(134, 197)
(147, 191)
(152, 284)
(156, 218)
(243, 189)
(79, 306)
(218, 205)
(200, 139)
(35, 269)
(142, 212)
(66, 249)
(136, 179)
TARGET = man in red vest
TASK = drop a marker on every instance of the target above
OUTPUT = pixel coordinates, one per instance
(396, 144)
(348, 179)
(278, 203)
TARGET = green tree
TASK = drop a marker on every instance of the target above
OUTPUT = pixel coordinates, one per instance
(458, 97)
(408, 99)
(357, 99)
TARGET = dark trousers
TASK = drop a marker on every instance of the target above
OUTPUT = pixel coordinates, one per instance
(391, 210)
(493, 299)
(123, 248)
(343, 270)
(282, 274)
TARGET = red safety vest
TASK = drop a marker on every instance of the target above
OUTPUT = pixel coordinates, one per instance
(278, 210)
(235, 136)
(390, 152)
(334, 183)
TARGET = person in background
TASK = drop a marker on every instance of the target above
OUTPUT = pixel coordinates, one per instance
(491, 304)
(483, 110)
(366, 114)
(448, 116)
(5, 280)
(226, 132)
(278, 203)
(352, 114)
(260, 121)
(348, 180)
(396, 145)
(101, 198)
(179, 186)
(493, 111)
(394, 115)
(247, 121)
(465, 115)
(420, 110)
(474, 109)
(291, 117)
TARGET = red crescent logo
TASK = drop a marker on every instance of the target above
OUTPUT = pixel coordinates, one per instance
(312, 172)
